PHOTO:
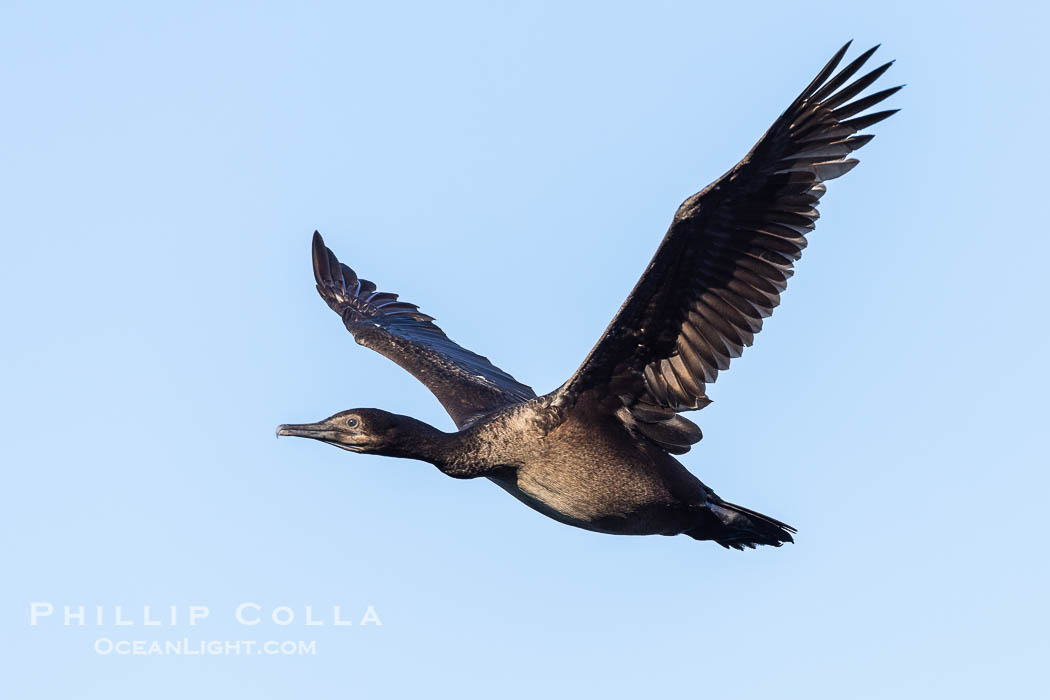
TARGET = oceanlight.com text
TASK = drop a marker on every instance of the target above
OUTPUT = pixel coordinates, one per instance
(104, 646)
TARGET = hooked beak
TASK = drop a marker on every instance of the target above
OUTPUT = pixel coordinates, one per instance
(306, 430)
(318, 431)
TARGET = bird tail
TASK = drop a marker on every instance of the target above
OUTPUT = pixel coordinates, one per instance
(736, 527)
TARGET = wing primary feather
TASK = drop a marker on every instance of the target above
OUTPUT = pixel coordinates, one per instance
(826, 71)
(864, 103)
(844, 75)
(856, 87)
(320, 259)
(834, 169)
(858, 123)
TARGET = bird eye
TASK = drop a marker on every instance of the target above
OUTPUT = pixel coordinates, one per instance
(351, 423)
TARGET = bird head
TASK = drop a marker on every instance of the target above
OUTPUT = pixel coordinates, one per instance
(367, 430)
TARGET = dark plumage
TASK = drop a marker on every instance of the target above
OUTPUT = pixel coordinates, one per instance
(597, 452)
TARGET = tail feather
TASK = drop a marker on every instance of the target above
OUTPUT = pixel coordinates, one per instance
(736, 527)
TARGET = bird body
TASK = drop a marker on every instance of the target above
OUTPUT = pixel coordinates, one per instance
(599, 452)
(584, 469)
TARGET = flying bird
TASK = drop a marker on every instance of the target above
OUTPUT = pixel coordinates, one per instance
(599, 452)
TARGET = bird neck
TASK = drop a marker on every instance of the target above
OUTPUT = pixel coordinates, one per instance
(458, 454)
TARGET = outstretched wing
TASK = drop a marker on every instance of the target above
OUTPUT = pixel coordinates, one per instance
(724, 262)
(466, 384)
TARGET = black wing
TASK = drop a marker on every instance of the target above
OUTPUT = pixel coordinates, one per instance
(466, 384)
(724, 262)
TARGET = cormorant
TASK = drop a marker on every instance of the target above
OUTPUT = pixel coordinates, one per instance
(596, 453)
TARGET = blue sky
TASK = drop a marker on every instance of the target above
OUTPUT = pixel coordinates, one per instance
(511, 168)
